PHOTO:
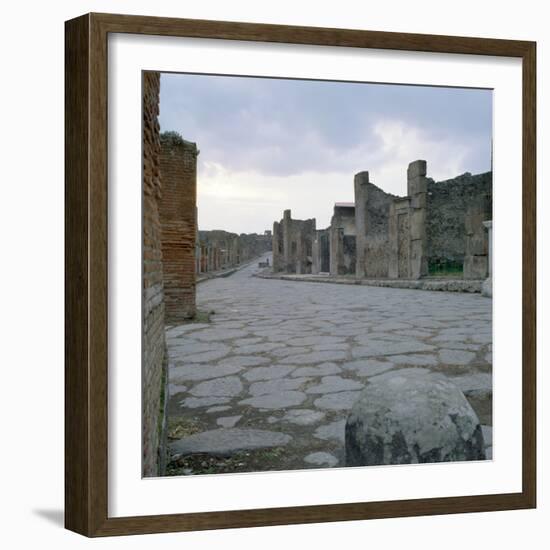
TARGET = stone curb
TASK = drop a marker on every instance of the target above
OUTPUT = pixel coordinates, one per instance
(454, 285)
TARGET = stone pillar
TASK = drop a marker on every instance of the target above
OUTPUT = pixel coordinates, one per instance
(361, 222)
(275, 240)
(399, 239)
(393, 272)
(417, 188)
(475, 265)
(336, 250)
(178, 165)
(198, 258)
(287, 256)
(300, 250)
(487, 286)
(316, 254)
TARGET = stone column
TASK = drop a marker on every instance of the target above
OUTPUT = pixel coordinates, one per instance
(316, 254)
(275, 247)
(417, 188)
(336, 249)
(300, 250)
(287, 242)
(487, 286)
(393, 263)
(360, 183)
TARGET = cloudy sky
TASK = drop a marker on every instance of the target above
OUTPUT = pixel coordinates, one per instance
(271, 144)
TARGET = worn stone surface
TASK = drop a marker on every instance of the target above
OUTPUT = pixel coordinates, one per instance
(280, 400)
(228, 441)
(321, 459)
(330, 384)
(337, 401)
(318, 370)
(456, 357)
(368, 367)
(194, 402)
(228, 386)
(276, 386)
(201, 372)
(303, 417)
(268, 373)
(228, 421)
(412, 418)
(282, 397)
(334, 430)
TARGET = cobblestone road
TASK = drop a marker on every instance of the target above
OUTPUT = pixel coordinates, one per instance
(281, 362)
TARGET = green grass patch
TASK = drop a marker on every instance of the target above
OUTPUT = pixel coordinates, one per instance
(445, 268)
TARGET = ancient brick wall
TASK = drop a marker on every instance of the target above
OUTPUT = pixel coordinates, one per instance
(447, 205)
(178, 214)
(154, 354)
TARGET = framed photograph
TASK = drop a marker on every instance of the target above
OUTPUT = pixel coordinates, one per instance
(300, 274)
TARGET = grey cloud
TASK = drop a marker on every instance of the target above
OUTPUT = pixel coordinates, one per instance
(287, 127)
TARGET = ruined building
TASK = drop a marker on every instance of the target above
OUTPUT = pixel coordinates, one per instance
(218, 250)
(437, 228)
(293, 244)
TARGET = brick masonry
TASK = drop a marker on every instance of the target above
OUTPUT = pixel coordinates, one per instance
(154, 346)
(178, 214)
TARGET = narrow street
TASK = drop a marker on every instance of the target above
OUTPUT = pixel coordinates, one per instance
(268, 383)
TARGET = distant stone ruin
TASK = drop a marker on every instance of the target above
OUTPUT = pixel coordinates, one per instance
(436, 229)
(219, 250)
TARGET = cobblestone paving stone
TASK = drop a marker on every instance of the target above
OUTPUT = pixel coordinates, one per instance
(282, 362)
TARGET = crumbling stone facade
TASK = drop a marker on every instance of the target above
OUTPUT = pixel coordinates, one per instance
(154, 346)
(292, 244)
(436, 227)
(372, 219)
(455, 235)
(407, 230)
(342, 243)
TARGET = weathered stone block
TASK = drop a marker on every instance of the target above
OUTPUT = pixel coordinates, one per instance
(410, 417)
(416, 169)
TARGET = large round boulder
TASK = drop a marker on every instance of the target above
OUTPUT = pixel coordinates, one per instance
(408, 417)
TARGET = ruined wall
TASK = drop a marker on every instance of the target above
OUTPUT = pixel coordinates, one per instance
(222, 249)
(154, 353)
(448, 203)
(178, 165)
(407, 227)
(476, 252)
(321, 252)
(381, 235)
(399, 239)
(376, 240)
(343, 242)
(293, 244)
(277, 247)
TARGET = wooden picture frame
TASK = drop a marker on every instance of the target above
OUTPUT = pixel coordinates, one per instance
(86, 280)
